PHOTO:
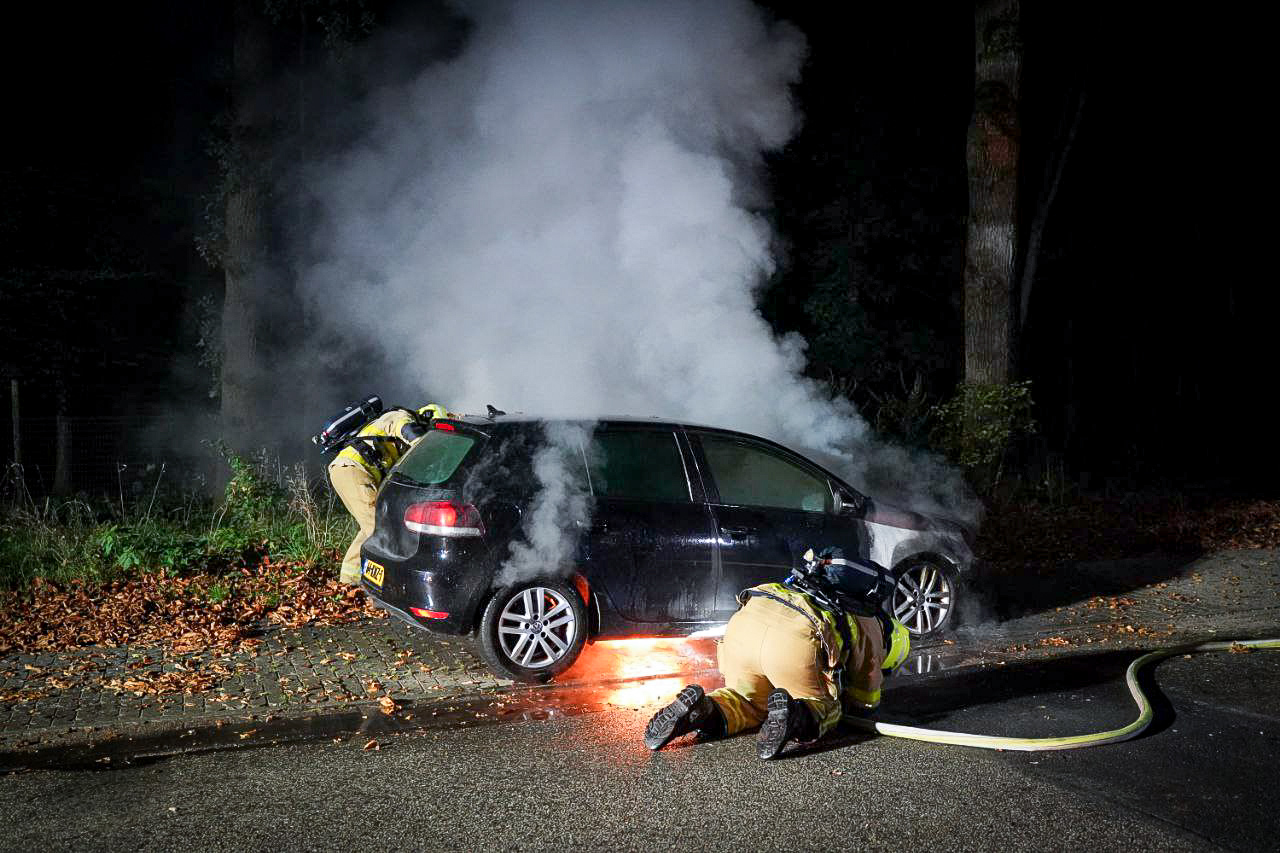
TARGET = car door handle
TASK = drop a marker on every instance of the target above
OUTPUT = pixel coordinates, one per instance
(737, 533)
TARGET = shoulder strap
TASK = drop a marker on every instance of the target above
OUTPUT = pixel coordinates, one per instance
(840, 621)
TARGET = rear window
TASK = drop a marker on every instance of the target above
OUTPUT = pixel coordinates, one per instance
(435, 457)
(638, 464)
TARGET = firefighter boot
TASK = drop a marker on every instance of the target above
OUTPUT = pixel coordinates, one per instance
(691, 711)
(789, 719)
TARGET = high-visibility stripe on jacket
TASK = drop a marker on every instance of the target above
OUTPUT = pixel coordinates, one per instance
(390, 424)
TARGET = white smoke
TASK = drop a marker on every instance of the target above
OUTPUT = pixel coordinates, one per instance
(562, 220)
(559, 512)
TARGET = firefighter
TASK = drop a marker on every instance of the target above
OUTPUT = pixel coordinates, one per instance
(795, 658)
(358, 469)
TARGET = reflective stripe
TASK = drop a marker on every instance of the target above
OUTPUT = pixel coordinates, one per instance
(827, 712)
(867, 698)
(899, 646)
(389, 426)
(740, 714)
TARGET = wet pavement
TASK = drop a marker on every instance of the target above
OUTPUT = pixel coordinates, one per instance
(463, 760)
(581, 779)
(378, 676)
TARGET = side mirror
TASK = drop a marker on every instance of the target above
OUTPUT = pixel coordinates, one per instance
(850, 503)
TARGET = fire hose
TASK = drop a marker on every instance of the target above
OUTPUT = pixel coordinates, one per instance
(1038, 744)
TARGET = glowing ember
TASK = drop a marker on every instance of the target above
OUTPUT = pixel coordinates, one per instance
(659, 661)
(654, 692)
(638, 658)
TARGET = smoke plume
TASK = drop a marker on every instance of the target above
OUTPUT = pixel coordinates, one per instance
(562, 219)
(560, 509)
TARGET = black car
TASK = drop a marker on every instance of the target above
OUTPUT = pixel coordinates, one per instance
(674, 519)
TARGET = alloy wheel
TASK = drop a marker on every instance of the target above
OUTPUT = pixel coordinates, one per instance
(923, 599)
(536, 627)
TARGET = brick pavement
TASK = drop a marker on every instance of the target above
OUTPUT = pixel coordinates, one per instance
(289, 672)
(85, 694)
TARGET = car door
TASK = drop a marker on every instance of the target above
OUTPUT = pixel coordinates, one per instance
(651, 545)
(769, 506)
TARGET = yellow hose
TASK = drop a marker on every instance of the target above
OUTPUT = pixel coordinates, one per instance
(1037, 744)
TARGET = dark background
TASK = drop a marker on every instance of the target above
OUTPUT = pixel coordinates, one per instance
(1148, 336)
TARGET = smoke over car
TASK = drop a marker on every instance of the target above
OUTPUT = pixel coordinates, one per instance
(566, 216)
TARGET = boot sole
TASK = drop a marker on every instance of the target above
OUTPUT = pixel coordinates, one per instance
(779, 706)
(661, 729)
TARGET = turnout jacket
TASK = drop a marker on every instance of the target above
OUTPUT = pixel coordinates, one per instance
(855, 667)
(391, 432)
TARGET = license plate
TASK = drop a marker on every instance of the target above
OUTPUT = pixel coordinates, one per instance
(374, 572)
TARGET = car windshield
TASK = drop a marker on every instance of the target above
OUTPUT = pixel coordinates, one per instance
(435, 457)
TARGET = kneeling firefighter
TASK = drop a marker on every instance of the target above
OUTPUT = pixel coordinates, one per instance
(795, 658)
(368, 442)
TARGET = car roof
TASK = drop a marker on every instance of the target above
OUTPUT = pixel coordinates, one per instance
(517, 419)
(524, 417)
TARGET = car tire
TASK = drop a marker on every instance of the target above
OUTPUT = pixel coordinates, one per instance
(925, 597)
(533, 631)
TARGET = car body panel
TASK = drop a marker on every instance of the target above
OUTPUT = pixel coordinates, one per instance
(654, 566)
(654, 561)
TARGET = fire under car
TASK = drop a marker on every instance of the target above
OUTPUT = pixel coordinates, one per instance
(658, 526)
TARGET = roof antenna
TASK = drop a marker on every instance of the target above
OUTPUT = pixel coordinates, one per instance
(493, 413)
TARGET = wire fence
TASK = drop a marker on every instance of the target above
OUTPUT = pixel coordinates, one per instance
(109, 455)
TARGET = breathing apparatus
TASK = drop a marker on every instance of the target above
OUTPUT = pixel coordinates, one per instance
(845, 586)
(850, 586)
(343, 429)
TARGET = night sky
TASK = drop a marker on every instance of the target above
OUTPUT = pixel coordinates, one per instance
(1148, 339)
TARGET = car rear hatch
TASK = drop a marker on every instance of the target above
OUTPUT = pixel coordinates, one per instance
(439, 519)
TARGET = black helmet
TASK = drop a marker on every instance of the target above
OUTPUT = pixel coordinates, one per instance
(856, 586)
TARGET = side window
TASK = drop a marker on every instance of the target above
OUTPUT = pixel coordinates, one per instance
(752, 475)
(638, 464)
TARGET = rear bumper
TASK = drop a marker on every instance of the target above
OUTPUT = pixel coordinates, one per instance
(442, 626)
(400, 610)
(454, 589)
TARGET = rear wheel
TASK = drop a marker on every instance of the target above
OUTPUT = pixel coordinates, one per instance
(925, 598)
(533, 631)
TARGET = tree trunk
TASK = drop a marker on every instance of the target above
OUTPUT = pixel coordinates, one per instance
(992, 154)
(245, 264)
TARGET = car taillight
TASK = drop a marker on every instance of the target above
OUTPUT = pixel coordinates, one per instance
(444, 518)
(445, 427)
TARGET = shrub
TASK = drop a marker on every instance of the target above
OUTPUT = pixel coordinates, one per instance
(977, 426)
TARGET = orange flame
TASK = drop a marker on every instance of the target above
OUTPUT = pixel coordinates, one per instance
(645, 658)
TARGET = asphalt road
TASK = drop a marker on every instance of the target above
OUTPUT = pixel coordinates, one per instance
(580, 778)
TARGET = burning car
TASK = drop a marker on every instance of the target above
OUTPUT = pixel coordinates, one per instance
(672, 521)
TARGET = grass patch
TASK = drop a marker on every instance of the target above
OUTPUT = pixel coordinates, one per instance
(266, 509)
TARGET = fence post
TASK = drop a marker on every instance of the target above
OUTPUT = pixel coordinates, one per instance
(62, 463)
(17, 431)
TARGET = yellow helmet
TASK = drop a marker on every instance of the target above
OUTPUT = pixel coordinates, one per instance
(433, 410)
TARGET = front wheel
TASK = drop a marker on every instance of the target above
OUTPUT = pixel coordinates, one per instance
(925, 598)
(533, 631)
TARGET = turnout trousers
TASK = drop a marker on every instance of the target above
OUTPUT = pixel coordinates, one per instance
(357, 491)
(767, 645)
